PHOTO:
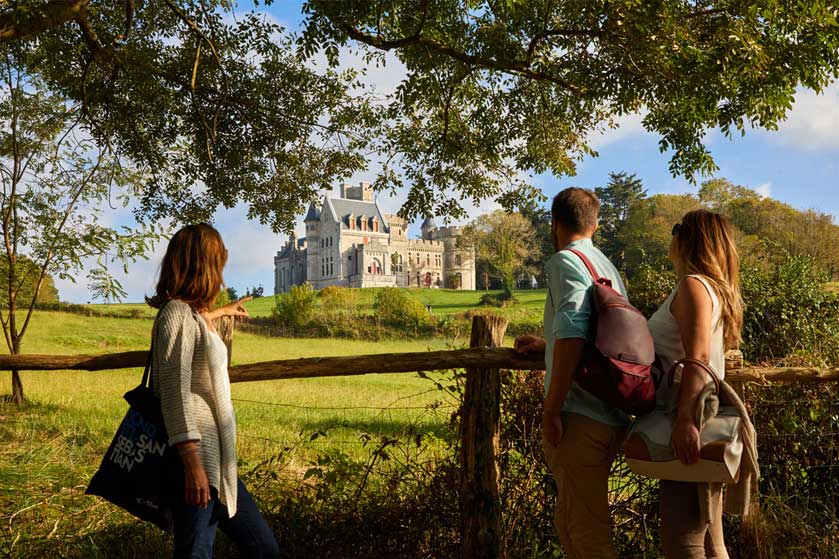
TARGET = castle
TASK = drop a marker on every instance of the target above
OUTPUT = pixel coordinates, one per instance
(350, 243)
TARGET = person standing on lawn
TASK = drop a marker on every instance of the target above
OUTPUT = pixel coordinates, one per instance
(580, 433)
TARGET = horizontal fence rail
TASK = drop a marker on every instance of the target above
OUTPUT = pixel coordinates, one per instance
(377, 363)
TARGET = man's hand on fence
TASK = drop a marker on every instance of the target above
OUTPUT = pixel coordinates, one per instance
(529, 344)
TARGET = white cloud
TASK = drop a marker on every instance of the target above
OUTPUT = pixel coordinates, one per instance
(626, 125)
(764, 190)
(812, 123)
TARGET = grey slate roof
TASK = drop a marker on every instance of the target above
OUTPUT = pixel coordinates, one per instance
(313, 214)
(428, 223)
(342, 207)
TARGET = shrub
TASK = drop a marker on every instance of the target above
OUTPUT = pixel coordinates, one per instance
(650, 285)
(337, 299)
(396, 308)
(295, 308)
(789, 314)
(502, 299)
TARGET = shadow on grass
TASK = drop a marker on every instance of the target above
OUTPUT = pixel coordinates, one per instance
(381, 426)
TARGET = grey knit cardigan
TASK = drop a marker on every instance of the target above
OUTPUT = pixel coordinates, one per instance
(192, 395)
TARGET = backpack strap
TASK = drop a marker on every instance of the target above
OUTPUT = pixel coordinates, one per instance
(591, 270)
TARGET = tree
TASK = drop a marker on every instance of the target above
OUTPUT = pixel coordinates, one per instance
(617, 198)
(201, 99)
(55, 182)
(504, 241)
(780, 229)
(646, 234)
(231, 294)
(27, 274)
(540, 219)
(496, 89)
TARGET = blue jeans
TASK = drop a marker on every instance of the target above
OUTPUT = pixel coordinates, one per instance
(195, 528)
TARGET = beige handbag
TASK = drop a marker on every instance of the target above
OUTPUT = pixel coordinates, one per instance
(648, 449)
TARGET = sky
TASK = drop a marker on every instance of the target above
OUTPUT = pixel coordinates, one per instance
(797, 164)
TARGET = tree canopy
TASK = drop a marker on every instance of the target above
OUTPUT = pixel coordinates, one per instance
(223, 108)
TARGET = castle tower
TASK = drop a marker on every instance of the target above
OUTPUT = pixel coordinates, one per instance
(312, 221)
(427, 228)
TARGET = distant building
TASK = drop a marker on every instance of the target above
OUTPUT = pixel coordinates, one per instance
(350, 243)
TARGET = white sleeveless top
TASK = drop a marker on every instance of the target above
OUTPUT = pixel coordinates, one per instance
(668, 340)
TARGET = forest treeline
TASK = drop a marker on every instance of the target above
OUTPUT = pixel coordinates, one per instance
(635, 227)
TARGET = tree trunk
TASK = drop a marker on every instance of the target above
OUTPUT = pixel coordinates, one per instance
(479, 431)
(17, 388)
(17, 385)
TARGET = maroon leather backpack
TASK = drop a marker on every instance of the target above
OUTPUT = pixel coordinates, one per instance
(617, 363)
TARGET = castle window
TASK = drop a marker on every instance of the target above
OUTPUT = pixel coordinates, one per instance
(457, 261)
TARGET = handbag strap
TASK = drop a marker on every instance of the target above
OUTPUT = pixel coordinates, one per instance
(671, 376)
(146, 382)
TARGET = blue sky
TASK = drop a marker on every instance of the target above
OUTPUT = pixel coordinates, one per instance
(798, 164)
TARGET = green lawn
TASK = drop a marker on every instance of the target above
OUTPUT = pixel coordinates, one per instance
(53, 444)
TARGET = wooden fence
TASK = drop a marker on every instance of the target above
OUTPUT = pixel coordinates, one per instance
(480, 418)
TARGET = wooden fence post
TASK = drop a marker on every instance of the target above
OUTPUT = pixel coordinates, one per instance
(224, 326)
(479, 432)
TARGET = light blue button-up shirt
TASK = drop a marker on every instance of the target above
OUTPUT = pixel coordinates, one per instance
(568, 308)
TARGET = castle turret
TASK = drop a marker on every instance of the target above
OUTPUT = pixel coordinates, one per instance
(428, 226)
(312, 221)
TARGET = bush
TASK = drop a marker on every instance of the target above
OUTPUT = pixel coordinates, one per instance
(296, 308)
(337, 299)
(396, 308)
(648, 288)
(503, 299)
(790, 316)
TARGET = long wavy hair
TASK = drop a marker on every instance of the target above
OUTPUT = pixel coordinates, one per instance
(192, 268)
(704, 245)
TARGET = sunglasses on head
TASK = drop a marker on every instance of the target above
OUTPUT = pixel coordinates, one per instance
(676, 229)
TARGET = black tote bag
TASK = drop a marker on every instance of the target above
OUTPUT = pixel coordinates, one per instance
(139, 472)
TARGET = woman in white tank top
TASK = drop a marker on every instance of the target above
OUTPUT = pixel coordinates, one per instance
(700, 319)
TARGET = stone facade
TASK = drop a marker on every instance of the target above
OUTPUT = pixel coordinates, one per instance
(350, 243)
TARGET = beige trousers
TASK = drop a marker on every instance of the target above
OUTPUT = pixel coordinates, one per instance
(580, 465)
(683, 534)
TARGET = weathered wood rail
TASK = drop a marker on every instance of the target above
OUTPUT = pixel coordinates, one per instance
(310, 367)
(480, 415)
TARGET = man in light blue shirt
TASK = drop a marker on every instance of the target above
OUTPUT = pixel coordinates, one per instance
(581, 433)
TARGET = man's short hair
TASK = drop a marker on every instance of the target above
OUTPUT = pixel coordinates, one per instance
(576, 209)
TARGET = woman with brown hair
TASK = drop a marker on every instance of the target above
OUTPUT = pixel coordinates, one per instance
(700, 320)
(191, 379)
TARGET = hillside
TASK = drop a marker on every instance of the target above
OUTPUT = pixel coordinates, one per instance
(442, 301)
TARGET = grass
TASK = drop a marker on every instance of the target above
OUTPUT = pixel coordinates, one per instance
(53, 444)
